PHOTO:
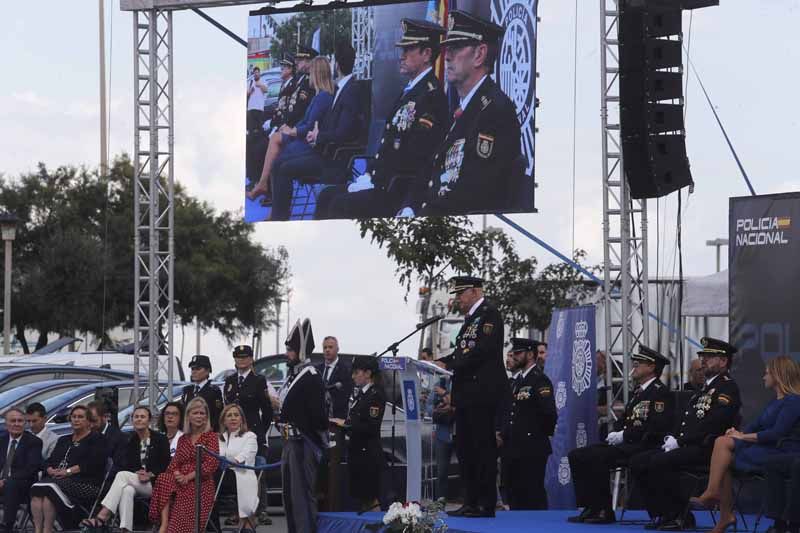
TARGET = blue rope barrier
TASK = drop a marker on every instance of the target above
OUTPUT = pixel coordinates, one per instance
(224, 462)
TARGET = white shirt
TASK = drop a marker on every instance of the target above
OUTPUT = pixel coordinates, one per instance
(256, 98)
(365, 388)
(49, 440)
(244, 374)
(413, 83)
(198, 386)
(329, 373)
(475, 305)
(646, 384)
(340, 84)
(709, 380)
(465, 101)
(173, 443)
(528, 371)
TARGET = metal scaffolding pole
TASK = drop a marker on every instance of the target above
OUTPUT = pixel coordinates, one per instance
(363, 35)
(624, 224)
(153, 203)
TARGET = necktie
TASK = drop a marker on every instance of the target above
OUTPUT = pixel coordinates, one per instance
(327, 373)
(458, 113)
(9, 458)
(241, 380)
(196, 390)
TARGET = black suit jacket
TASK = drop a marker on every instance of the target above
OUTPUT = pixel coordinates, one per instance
(157, 456)
(473, 167)
(339, 397)
(477, 362)
(253, 398)
(341, 123)
(27, 458)
(533, 416)
(116, 442)
(304, 405)
(213, 397)
(299, 100)
(89, 453)
(363, 425)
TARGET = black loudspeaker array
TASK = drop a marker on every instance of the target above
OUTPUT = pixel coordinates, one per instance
(651, 98)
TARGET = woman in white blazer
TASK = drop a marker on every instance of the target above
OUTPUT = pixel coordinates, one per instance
(239, 446)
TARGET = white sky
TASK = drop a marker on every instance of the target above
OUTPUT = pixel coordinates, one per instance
(746, 51)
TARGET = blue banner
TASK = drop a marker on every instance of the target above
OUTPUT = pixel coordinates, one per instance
(571, 367)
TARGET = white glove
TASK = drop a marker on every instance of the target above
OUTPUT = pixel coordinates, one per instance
(670, 444)
(615, 438)
(362, 183)
(406, 212)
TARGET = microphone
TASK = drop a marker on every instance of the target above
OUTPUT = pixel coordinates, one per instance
(338, 386)
(430, 321)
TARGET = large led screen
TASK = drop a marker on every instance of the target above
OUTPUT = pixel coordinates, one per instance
(407, 109)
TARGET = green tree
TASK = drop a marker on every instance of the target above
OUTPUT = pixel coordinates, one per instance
(335, 27)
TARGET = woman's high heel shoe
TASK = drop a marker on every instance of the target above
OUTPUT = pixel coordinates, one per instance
(722, 527)
(700, 503)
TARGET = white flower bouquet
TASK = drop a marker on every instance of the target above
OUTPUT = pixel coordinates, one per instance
(414, 517)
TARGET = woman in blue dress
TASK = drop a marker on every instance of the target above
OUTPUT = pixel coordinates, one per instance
(290, 141)
(747, 450)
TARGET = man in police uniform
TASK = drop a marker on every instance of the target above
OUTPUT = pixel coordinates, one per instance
(303, 424)
(473, 167)
(479, 381)
(416, 126)
(711, 412)
(200, 366)
(526, 436)
(303, 92)
(648, 418)
(287, 90)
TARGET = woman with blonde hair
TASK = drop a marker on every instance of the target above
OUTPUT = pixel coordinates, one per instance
(172, 503)
(239, 447)
(749, 449)
(291, 141)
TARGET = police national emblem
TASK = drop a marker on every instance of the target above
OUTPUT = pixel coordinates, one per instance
(582, 360)
(564, 473)
(451, 22)
(561, 395)
(485, 145)
(581, 437)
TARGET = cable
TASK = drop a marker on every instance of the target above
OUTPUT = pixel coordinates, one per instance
(574, 120)
(680, 288)
(110, 70)
(688, 58)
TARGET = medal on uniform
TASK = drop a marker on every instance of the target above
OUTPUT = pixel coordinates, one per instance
(397, 143)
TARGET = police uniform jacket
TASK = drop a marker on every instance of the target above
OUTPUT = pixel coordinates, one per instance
(533, 416)
(282, 110)
(213, 397)
(363, 426)
(414, 129)
(710, 412)
(303, 404)
(472, 168)
(253, 398)
(299, 100)
(477, 361)
(648, 418)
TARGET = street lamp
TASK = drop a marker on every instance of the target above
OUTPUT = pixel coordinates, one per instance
(8, 226)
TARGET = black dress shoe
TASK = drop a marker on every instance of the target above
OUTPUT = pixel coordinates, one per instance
(578, 519)
(479, 512)
(653, 524)
(604, 516)
(461, 510)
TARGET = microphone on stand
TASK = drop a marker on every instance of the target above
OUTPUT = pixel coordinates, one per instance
(430, 321)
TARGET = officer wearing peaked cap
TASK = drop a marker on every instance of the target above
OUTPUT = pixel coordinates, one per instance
(473, 167)
(251, 392)
(709, 413)
(527, 432)
(648, 417)
(303, 424)
(416, 125)
(288, 88)
(200, 366)
(479, 381)
(303, 93)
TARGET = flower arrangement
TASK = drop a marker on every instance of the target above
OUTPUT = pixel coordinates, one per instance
(413, 517)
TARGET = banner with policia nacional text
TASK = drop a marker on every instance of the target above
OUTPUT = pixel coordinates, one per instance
(764, 286)
(571, 367)
(458, 170)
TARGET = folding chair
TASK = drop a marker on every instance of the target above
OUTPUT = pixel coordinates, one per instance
(231, 499)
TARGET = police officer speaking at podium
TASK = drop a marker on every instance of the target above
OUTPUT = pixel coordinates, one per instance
(200, 366)
(479, 381)
(648, 418)
(528, 428)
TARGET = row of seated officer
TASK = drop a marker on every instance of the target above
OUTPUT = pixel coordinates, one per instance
(699, 440)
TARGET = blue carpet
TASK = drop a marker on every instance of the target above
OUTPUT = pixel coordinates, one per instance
(514, 521)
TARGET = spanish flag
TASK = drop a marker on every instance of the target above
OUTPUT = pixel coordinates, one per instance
(437, 12)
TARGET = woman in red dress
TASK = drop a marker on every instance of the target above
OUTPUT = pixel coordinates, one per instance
(172, 503)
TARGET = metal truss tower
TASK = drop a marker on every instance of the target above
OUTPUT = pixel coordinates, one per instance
(153, 202)
(624, 222)
(363, 35)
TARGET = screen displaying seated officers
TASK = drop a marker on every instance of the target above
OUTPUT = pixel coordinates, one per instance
(422, 126)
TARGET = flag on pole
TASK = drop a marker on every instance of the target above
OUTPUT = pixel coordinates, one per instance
(315, 40)
(437, 12)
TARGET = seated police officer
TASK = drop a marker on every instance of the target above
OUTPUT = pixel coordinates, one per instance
(473, 167)
(648, 417)
(416, 126)
(527, 432)
(711, 412)
(200, 366)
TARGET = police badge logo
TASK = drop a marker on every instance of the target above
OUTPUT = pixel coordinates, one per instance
(582, 359)
(561, 395)
(451, 23)
(485, 145)
(581, 437)
(374, 412)
(564, 473)
(562, 320)
(404, 26)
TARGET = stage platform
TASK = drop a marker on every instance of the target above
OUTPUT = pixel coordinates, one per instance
(516, 521)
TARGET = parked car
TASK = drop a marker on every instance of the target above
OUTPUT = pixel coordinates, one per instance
(116, 360)
(40, 391)
(14, 377)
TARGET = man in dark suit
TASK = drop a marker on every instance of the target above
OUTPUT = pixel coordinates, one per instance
(711, 412)
(20, 461)
(115, 440)
(200, 366)
(473, 167)
(648, 417)
(479, 382)
(342, 124)
(416, 126)
(526, 435)
(337, 379)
